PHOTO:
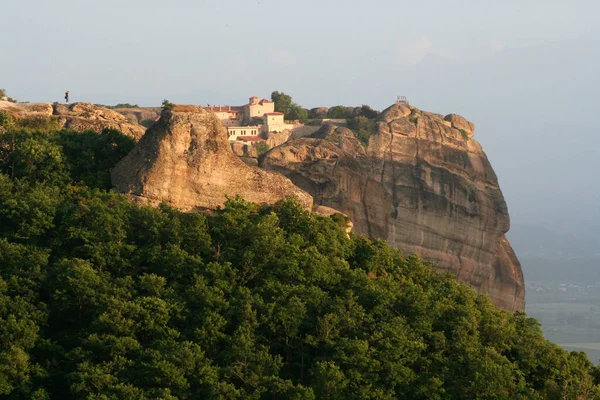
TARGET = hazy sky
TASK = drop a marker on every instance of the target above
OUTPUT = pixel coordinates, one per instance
(525, 71)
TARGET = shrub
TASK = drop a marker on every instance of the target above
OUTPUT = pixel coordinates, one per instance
(297, 113)
(261, 148)
(362, 127)
(41, 124)
(366, 111)
(464, 134)
(167, 105)
(125, 105)
(338, 112)
(3, 94)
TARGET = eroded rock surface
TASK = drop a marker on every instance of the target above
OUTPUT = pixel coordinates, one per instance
(27, 110)
(84, 116)
(144, 116)
(77, 116)
(186, 160)
(421, 184)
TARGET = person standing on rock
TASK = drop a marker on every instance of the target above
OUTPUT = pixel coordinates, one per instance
(67, 96)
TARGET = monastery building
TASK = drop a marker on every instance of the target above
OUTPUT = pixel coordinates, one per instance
(250, 120)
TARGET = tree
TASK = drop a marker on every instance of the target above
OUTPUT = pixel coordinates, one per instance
(291, 110)
(367, 112)
(34, 157)
(261, 148)
(282, 101)
(90, 155)
(297, 113)
(338, 112)
(7, 122)
(362, 127)
(4, 95)
(167, 105)
(101, 297)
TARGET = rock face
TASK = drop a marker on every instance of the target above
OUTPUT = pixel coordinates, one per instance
(242, 149)
(460, 123)
(274, 139)
(185, 160)
(422, 185)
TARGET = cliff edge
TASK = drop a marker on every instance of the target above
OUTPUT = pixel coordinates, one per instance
(423, 184)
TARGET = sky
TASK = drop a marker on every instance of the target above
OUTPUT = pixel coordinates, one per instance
(524, 71)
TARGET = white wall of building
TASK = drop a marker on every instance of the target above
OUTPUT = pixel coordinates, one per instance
(233, 132)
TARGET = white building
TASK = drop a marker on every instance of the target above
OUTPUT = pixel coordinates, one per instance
(235, 132)
(274, 122)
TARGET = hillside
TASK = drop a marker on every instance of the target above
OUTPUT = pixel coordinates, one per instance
(101, 297)
(417, 180)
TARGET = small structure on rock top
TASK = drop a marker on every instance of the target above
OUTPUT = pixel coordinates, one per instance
(402, 100)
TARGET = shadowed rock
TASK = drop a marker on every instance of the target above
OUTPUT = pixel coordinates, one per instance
(422, 185)
(186, 160)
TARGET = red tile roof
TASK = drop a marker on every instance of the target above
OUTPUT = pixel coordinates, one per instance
(250, 139)
(275, 113)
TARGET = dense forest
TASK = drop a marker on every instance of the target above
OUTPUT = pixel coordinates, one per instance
(104, 298)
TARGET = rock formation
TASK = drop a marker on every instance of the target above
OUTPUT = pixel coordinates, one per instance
(244, 149)
(186, 160)
(422, 184)
(27, 110)
(144, 116)
(319, 112)
(84, 116)
(78, 116)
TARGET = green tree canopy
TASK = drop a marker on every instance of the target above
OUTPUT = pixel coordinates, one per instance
(338, 112)
(362, 127)
(282, 101)
(297, 113)
(104, 298)
(367, 112)
(291, 110)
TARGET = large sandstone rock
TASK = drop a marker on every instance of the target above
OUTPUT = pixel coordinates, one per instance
(139, 115)
(460, 123)
(84, 116)
(318, 112)
(274, 139)
(421, 185)
(243, 149)
(186, 160)
(78, 116)
(27, 110)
